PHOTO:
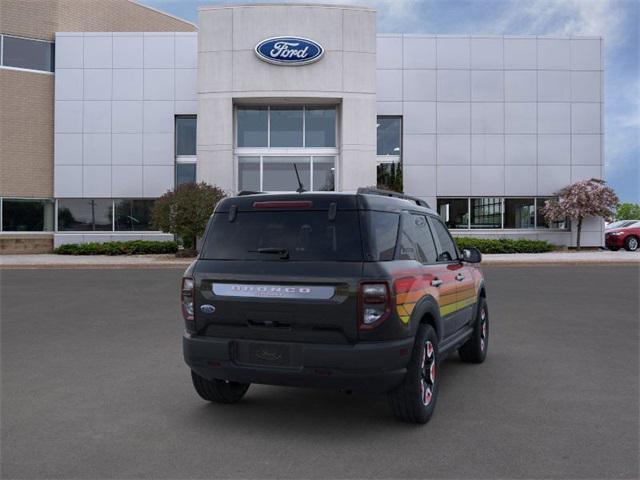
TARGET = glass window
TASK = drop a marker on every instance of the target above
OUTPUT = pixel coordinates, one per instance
(279, 173)
(286, 127)
(133, 215)
(486, 212)
(252, 127)
(25, 53)
(324, 169)
(448, 251)
(519, 213)
(454, 212)
(185, 173)
(186, 135)
(382, 228)
(416, 240)
(305, 235)
(85, 215)
(542, 222)
(389, 130)
(390, 176)
(407, 246)
(320, 127)
(424, 240)
(249, 174)
(22, 215)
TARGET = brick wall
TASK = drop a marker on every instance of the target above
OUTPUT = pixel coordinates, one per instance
(26, 134)
(42, 18)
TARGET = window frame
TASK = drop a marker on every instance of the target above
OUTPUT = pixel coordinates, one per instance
(113, 218)
(268, 151)
(261, 158)
(536, 227)
(52, 201)
(56, 214)
(22, 69)
(241, 150)
(404, 215)
(457, 260)
(183, 159)
(391, 159)
(504, 213)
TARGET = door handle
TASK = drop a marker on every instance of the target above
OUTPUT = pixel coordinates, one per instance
(436, 282)
(460, 277)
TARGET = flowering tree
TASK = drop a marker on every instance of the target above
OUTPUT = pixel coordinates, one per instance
(586, 198)
(185, 211)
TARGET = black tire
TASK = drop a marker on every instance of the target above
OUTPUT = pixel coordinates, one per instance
(614, 249)
(631, 243)
(414, 400)
(475, 349)
(219, 391)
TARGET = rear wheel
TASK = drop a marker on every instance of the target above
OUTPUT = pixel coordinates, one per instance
(631, 244)
(475, 349)
(219, 391)
(414, 400)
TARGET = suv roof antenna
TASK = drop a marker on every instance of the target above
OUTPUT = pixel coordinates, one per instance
(300, 188)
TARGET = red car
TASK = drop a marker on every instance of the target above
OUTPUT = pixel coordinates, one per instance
(627, 237)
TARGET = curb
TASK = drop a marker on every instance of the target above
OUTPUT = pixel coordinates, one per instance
(185, 263)
(94, 266)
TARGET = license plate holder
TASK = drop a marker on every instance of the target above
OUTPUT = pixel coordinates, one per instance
(266, 354)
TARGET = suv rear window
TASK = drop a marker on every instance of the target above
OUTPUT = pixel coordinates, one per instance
(304, 235)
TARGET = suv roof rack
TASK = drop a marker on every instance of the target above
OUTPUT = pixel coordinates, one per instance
(248, 192)
(389, 193)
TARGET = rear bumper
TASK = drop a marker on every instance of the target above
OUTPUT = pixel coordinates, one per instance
(371, 366)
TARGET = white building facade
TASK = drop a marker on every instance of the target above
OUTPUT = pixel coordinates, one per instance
(483, 128)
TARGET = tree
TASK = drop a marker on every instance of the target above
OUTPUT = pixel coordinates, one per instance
(390, 176)
(586, 198)
(186, 210)
(628, 211)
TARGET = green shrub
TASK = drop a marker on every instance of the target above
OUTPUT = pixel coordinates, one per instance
(505, 245)
(134, 247)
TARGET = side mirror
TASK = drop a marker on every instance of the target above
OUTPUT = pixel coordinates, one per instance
(471, 255)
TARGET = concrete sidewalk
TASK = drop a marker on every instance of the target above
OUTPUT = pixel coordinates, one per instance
(570, 257)
(170, 261)
(93, 261)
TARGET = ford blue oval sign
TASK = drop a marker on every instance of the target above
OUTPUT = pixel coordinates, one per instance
(289, 51)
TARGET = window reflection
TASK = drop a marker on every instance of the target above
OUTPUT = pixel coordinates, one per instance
(486, 212)
(389, 133)
(133, 215)
(85, 215)
(22, 215)
(454, 212)
(519, 213)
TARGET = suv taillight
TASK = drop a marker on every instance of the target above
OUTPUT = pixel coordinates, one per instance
(374, 304)
(186, 298)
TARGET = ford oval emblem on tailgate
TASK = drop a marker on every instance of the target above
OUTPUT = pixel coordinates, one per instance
(206, 308)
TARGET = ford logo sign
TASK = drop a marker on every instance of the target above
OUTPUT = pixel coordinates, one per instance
(289, 51)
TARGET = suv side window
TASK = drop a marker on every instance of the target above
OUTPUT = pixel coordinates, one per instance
(382, 236)
(416, 242)
(448, 251)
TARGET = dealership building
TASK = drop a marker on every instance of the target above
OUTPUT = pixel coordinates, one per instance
(107, 105)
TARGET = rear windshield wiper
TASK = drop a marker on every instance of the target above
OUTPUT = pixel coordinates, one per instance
(283, 252)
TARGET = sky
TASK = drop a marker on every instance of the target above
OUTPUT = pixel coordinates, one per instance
(617, 21)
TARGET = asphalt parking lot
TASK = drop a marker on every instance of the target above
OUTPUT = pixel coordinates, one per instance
(93, 386)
